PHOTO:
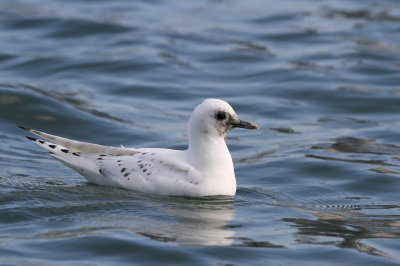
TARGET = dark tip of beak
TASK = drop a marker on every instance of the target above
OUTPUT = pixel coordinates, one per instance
(245, 124)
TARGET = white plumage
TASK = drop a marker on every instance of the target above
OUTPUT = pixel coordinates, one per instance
(204, 169)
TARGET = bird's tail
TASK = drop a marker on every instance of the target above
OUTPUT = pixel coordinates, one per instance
(78, 146)
(76, 160)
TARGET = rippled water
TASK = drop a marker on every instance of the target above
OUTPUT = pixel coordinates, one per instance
(319, 183)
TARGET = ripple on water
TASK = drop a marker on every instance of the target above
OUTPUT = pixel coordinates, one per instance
(318, 182)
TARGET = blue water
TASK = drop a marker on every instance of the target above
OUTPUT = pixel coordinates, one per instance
(318, 184)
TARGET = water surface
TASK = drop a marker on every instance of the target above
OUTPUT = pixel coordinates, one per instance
(318, 183)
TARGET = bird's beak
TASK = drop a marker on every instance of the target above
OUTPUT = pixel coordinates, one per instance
(245, 124)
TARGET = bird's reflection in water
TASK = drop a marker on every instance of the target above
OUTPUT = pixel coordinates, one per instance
(119, 213)
(191, 221)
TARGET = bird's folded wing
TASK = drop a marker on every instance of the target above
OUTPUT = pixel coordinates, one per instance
(78, 146)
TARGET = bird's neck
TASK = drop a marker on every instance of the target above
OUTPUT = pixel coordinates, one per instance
(211, 157)
(208, 151)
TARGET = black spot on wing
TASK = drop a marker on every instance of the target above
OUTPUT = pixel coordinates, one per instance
(127, 174)
(52, 146)
(31, 139)
(41, 141)
(123, 170)
(76, 154)
(65, 150)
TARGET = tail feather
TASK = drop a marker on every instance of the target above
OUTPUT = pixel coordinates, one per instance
(80, 156)
(76, 160)
(82, 163)
(78, 146)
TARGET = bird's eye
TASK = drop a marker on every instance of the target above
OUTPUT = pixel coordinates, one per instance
(220, 116)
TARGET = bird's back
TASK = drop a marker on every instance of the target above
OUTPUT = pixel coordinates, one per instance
(156, 171)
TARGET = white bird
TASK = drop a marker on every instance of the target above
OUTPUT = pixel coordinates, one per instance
(204, 169)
